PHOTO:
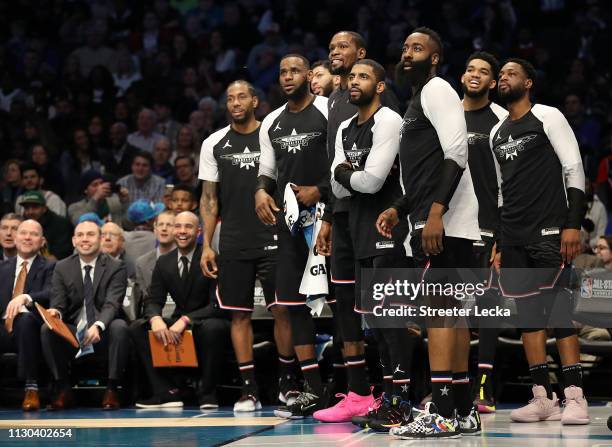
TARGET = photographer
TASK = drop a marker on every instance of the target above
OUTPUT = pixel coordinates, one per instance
(101, 197)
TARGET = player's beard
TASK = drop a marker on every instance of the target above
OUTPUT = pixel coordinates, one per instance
(511, 95)
(419, 72)
(364, 98)
(299, 92)
(475, 94)
(245, 118)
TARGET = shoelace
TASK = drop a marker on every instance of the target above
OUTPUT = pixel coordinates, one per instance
(344, 400)
(377, 404)
(304, 397)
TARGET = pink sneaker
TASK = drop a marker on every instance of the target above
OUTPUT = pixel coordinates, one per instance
(351, 405)
(576, 411)
(540, 408)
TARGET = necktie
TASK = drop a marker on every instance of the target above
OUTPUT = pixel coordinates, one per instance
(18, 290)
(185, 271)
(90, 311)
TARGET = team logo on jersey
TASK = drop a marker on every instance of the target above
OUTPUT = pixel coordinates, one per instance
(511, 149)
(277, 127)
(405, 123)
(473, 137)
(227, 144)
(245, 159)
(355, 155)
(332, 104)
(295, 141)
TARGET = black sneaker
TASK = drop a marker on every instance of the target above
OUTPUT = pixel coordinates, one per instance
(393, 412)
(306, 403)
(470, 424)
(288, 390)
(168, 399)
(363, 421)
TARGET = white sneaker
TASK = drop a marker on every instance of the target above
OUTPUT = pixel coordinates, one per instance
(247, 403)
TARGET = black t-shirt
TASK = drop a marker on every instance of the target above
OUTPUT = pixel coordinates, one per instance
(294, 147)
(482, 166)
(372, 149)
(340, 109)
(232, 160)
(539, 158)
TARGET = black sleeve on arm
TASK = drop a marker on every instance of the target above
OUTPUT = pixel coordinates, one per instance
(402, 206)
(266, 183)
(449, 180)
(342, 174)
(329, 209)
(577, 208)
(324, 190)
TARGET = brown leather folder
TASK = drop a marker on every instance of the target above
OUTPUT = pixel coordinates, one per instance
(181, 355)
(57, 326)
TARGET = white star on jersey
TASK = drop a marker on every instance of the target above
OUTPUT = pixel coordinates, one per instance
(248, 164)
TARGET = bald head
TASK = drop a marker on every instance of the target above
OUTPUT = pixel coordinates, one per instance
(29, 238)
(112, 241)
(186, 230)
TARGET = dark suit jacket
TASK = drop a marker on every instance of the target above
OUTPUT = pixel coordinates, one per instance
(109, 284)
(192, 299)
(38, 282)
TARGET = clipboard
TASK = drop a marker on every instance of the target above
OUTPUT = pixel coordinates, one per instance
(173, 356)
(57, 326)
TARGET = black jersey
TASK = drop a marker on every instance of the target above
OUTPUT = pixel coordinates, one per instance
(433, 130)
(340, 109)
(232, 159)
(482, 165)
(538, 157)
(294, 147)
(372, 149)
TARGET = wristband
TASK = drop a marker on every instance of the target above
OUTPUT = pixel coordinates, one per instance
(266, 183)
(185, 319)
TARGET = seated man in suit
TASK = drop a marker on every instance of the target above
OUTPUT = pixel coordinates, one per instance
(178, 274)
(26, 279)
(87, 290)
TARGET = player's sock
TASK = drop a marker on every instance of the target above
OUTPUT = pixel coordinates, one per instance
(357, 376)
(31, 385)
(286, 365)
(401, 347)
(247, 372)
(442, 392)
(539, 375)
(312, 376)
(461, 392)
(572, 375)
(339, 371)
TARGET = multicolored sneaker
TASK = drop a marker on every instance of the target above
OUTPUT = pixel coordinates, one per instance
(351, 404)
(470, 424)
(393, 412)
(483, 399)
(540, 408)
(428, 425)
(576, 411)
(363, 421)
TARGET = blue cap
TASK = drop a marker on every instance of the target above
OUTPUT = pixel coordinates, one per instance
(142, 211)
(90, 217)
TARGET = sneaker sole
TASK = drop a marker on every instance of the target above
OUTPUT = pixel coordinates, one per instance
(486, 409)
(283, 414)
(438, 436)
(470, 433)
(576, 421)
(209, 407)
(257, 407)
(164, 405)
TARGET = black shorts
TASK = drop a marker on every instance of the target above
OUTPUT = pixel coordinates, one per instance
(290, 264)
(482, 256)
(343, 255)
(527, 270)
(236, 282)
(364, 302)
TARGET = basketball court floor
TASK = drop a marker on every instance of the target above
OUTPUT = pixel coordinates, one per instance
(192, 427)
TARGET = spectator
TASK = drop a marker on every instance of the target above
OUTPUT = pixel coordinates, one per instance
(186, 173)
(142, 183)
(166, 126)
(224, 58)
(146, 136)
(57, 229)
(102, 86)
(118, 159)
(112, 242)
(8, 229)
(94, 52)
(126, 74)
(141, 239)
(39, 156)
(186, 143)
(73, 163)
(163, 229)
(183, 199)
(603, 250)
(32, 180)
(8, 91)
(97, 133)
(161, 156)
(100, 199)
(11, 174)
(201, 124)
